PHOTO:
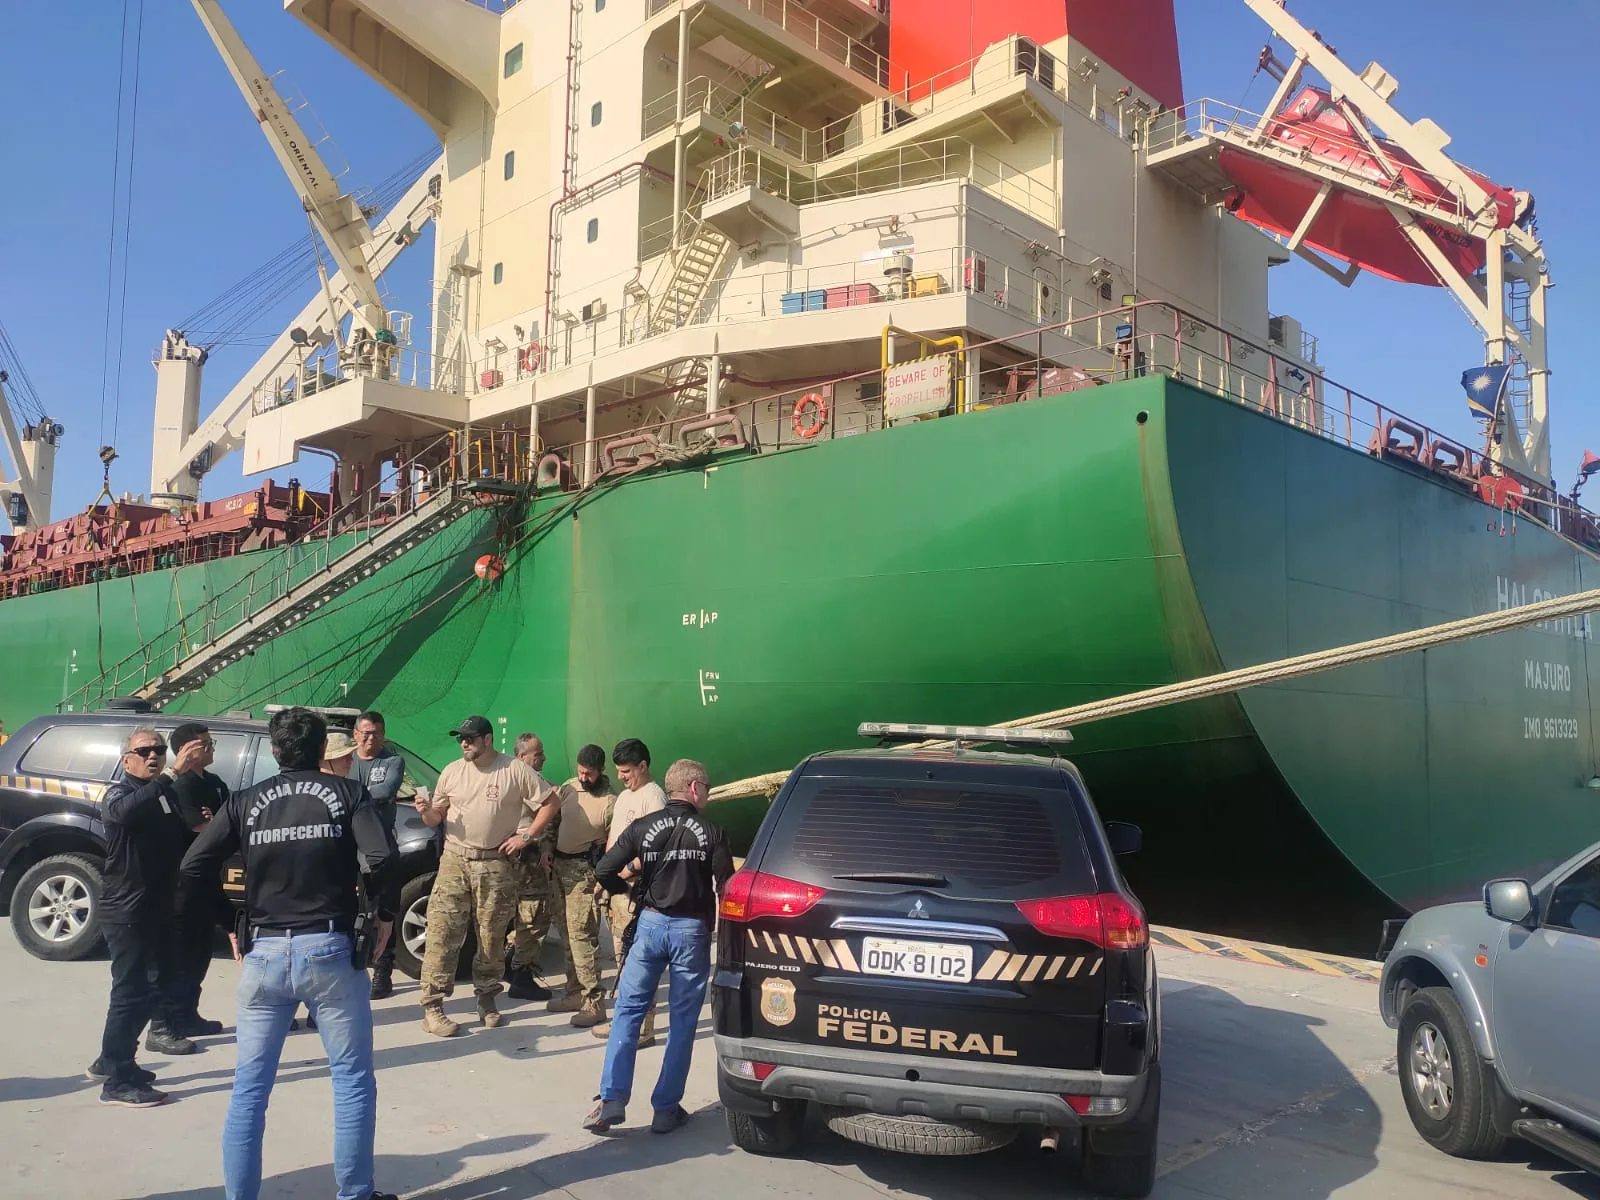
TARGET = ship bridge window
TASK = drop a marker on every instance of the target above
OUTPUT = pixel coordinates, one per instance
(594, 229)
(513, 60)
(511, 163)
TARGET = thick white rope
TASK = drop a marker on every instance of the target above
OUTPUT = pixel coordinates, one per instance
(1408, 642)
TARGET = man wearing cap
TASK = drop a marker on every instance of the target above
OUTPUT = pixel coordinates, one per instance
(482, 799)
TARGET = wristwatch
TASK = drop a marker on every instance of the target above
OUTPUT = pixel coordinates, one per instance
(168, 774)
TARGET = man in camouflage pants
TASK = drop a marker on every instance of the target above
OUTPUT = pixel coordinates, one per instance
(534, 885)
(578, 828)
(482, 799)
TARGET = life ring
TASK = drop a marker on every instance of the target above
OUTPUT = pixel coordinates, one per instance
(529, 358)
(817, 401)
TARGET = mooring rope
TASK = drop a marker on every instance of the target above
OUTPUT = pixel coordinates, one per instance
(1412, 640)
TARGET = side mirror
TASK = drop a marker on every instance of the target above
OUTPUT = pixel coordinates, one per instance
(1124, 838)
(1508, 900)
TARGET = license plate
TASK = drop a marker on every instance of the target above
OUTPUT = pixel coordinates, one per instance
(942, 962)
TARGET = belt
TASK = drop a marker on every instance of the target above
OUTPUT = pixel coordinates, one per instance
(474, 853)
(577, 854)
(318, 927)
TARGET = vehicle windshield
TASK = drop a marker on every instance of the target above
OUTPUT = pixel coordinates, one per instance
(419, 771)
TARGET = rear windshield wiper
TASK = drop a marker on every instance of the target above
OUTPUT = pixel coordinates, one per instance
(926, 878)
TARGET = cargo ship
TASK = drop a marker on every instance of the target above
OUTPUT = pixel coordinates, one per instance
(793, 363)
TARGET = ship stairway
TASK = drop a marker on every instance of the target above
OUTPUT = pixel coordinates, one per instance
(1519, 386)
(268, 602)
(700, 258)
(1186, 146)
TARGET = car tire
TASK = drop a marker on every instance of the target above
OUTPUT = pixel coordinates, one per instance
(411, 924)
(67, 887)
(917, 1135)
(1443, 1078)
(1120, 1160)
(778, 1134)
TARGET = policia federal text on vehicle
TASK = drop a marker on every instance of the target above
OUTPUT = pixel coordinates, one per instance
(315, 849)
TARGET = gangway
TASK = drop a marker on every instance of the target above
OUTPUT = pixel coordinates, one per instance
(272, 599)
(1339, 170)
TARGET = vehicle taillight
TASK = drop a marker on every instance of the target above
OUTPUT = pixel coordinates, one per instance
(750, 894)
(1108, 920)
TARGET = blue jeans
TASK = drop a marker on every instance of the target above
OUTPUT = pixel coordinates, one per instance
(682, 947)
(279, 974)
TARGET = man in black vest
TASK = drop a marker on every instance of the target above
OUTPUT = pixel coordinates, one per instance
(200, 794)
(145, 838)
(313, 846)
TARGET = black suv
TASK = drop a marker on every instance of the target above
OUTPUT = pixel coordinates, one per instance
(937, 949)
(53, 772)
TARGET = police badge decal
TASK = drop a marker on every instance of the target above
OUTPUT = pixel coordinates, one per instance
(777, 1001)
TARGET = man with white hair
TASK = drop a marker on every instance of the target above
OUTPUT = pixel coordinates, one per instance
(678, 862)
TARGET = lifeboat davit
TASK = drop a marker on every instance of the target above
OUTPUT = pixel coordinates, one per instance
(1354, 226)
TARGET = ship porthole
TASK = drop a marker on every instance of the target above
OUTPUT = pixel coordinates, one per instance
(1142, 417)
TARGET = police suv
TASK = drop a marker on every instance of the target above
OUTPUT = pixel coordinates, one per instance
(53, 772)
(935, 947)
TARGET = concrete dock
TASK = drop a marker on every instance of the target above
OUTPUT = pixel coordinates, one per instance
(1280, 1085)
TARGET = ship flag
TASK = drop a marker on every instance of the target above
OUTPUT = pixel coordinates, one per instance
(1483, 387)
(1590, 464)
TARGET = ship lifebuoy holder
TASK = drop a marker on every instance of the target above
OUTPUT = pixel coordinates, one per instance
(818, 403)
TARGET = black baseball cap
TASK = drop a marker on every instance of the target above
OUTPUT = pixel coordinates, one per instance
(476, 727)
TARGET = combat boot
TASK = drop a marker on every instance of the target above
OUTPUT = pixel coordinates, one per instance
(521, 985)
(382, 983)
(491, 1016)
(570, 1001)
(591, 1013)
(435, 1022)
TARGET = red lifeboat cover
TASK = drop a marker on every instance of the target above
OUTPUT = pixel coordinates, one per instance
(1351, 226)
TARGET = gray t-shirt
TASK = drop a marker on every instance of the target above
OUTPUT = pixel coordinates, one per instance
(381, 775)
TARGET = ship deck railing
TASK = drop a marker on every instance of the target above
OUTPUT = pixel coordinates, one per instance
(456, 458)
(805, 27)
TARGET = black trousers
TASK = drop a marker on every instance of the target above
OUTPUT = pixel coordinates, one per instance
(135, 959)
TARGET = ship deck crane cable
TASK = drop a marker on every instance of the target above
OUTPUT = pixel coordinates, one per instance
(121, 205)
(1547, 612)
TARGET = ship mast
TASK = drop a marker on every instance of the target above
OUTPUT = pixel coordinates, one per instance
(1508, 302)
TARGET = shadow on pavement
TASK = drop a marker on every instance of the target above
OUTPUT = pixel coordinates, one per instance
(395, 1172)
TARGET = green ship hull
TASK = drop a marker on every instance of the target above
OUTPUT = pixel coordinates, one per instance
(980, 568)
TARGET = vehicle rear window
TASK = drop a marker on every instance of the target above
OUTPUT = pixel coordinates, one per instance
(1007, 843)
(75, 752)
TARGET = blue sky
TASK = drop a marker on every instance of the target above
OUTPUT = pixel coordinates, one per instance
(209, 203)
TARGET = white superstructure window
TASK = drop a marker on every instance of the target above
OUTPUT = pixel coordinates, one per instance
(513, 60)
(594, 113)
(594, 229)
(511, 163)
(499, 272)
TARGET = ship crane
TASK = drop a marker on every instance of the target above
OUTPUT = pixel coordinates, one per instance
(185, 447)
(337, 216)
(25, 492)
(1340, 174)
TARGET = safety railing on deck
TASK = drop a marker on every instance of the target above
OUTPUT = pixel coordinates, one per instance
(806, 27)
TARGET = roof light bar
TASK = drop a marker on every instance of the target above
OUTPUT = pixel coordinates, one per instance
(901, 731)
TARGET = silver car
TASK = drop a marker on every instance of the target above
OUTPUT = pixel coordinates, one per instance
(1496, 1004)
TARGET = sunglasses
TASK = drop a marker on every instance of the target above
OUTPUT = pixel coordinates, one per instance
(464, 738)
(159, 748)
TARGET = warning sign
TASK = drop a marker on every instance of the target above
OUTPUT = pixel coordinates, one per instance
(915, 388)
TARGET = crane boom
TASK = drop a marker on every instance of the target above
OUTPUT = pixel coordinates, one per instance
(336, 216)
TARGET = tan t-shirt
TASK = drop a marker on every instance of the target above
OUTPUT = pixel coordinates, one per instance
(632, 805)
(489, 803)
(583, 818)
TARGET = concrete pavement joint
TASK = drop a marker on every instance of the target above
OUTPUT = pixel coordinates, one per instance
(1248, 1132)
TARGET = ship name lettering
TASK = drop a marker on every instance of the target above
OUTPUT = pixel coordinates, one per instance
(702, 619)
(1546, 676)
(1511, 594)
(1538, 729)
